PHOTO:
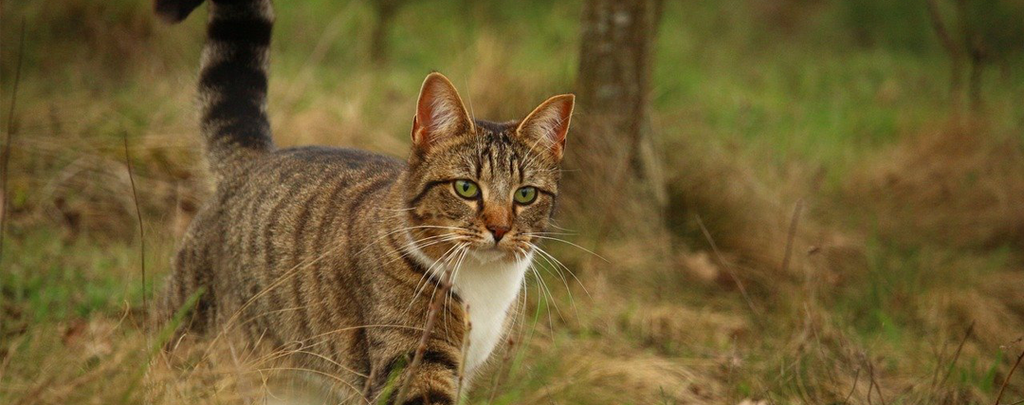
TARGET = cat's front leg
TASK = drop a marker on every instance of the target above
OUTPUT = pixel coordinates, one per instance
(405, 377)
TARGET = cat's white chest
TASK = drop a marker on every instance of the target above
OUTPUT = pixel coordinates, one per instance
(489, 289)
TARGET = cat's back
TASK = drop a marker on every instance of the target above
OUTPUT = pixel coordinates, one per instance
(297, 196)
(312, 166)
(292, 176)
(300, 187)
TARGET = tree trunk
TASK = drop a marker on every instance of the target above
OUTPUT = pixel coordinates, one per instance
(385, 11)
(613, 180)
(952, 49)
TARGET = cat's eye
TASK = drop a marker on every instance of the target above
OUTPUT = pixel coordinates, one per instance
(466, 189)
(525, 195)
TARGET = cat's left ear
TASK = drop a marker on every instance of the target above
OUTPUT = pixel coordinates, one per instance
(548, 124)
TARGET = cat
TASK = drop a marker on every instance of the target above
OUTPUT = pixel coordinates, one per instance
(341, 251)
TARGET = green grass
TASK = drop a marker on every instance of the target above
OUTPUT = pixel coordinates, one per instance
(52, 277)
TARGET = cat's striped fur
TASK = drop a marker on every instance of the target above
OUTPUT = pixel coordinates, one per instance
(335, 253)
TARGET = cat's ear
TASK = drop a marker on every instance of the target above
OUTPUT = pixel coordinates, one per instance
(439, 112)
(548, 124)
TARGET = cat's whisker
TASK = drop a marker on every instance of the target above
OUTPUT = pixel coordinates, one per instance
(324, 336)
(549, 257)
(452, 274)
(572, 300)
(459, 234)
(545, 237)
(444, 261)
(526, 297)
(549, 233)
(435, 243)
(279, 354)
(427, 274)
(450, 292)
(552, 224)
(304, 369)
(402, 229)
(455, 275)
(444, 238)
(447, 276)
(410, 253)
(547, 290)
(542, 286)
(521, 255)
(421, 285)
(432, 239)
(545, 293)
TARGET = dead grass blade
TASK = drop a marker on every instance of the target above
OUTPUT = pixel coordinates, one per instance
(138, 214)
(725, 265)
(468, 327)
(7, 143)
(956, 356)
(792, 235)
(1006, 381)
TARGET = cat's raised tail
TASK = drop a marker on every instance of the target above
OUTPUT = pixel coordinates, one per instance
(232, 78)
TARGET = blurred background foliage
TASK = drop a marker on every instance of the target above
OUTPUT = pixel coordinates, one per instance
(844, 179)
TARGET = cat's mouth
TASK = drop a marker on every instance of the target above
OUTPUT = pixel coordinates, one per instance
(489, 251)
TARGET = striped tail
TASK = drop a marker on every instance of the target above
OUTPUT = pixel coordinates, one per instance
(233, 78)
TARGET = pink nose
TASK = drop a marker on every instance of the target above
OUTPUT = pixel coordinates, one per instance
(498, 231)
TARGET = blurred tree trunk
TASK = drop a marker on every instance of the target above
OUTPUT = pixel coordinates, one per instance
(613, 179)
(976, 50)
(952, 49)
(385, 11)
(970, 47)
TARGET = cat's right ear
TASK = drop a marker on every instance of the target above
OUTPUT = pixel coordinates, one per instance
(440, 113)
(548, 124)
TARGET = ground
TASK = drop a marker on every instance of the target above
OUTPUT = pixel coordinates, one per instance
(842, 230)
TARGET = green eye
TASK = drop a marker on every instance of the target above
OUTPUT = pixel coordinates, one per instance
(525, 195)
(466, 189)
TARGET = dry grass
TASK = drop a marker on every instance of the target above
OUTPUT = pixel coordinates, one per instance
(961, 184)
(101, 362)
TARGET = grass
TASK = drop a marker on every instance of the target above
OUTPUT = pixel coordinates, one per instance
(911, 231)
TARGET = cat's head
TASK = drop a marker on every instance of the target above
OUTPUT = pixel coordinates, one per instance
(487, 186)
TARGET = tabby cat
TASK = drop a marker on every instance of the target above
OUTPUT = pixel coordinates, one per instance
(339, 251)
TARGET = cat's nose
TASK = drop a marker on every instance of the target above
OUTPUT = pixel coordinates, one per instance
(498, 231)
